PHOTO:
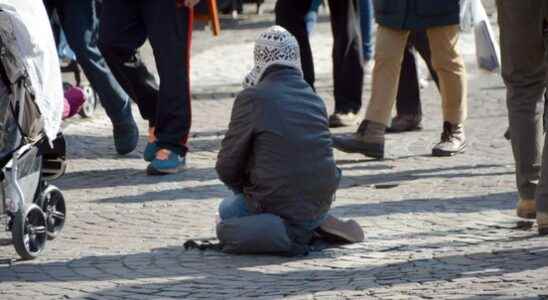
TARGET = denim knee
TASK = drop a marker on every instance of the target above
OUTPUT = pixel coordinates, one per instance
(233, 207)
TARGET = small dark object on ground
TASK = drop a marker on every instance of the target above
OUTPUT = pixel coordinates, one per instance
(386, 186)
(201, 245)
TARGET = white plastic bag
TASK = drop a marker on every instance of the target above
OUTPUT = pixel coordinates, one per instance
(466, 19)
(473, 15)
(487, 51)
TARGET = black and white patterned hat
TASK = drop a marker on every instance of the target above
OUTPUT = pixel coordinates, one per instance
(275, 46)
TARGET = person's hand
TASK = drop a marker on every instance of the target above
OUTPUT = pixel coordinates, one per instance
(191, 3)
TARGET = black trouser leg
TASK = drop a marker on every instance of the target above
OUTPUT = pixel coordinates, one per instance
(290, 15)
(169, 30)
(121, 32)
(408, 100)
(347, 55)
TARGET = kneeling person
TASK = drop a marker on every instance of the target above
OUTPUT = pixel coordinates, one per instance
(276, 155)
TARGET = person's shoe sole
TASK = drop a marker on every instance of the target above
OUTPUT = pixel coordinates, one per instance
(154, 172)
(398, 130)
(443, 153)
(526, 214)
(371, 150)
(349, 231)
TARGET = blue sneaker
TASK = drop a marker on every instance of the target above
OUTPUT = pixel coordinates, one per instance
(173, 164)
(150, 152)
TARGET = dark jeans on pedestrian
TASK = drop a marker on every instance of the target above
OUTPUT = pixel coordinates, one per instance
(524, 43)
(366, 26)
(81, 25)
(408, 101)
(125, 26)
(347, 47)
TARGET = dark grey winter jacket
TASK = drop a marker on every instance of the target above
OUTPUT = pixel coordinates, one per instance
(277, 150)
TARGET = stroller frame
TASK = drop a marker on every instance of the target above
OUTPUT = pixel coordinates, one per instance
(33, 210)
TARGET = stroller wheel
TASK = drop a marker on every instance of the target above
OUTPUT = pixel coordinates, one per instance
(52, 203)
(29, 231)
(88, 109)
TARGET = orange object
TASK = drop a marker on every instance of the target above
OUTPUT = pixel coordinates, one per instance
(212, 17)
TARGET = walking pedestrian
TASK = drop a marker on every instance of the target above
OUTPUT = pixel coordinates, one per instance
(125, 25)
(347, 52)
(523, 35)
(79, 21)
(396, 19)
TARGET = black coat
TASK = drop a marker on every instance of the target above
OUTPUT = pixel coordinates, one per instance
(277, 149)
(417, 14)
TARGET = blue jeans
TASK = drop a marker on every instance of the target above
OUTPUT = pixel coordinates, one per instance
(63, 48)
(366, 24)
(81, 26)
(235, 207)
(312, 16)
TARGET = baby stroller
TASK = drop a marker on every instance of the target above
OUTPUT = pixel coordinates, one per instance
(33, 210)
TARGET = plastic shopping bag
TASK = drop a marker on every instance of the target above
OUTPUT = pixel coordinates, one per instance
(487, 52)
(466, 16)
(473, 15)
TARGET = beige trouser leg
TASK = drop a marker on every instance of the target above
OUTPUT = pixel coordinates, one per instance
(389, 46)
(446, 60)
(449, 65)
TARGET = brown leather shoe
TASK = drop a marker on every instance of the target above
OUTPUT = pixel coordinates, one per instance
(542, 221)
(402, 123)
(452, 140)
(526, 208)
(368, 140)
(349, 231)
(340, 119)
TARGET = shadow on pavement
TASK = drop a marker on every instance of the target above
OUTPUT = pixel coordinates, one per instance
(91, 179)
(411, 175)
(212, 274)
(498, 201)
(211, 191)
(94, 147)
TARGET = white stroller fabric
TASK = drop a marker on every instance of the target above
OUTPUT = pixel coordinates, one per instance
(35, 42)
(275, 46)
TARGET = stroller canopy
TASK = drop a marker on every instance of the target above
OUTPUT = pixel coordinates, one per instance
(27, 22)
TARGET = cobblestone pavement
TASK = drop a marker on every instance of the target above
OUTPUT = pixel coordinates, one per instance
(437, 228)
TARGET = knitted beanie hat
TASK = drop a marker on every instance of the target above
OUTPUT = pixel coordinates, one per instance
(275, 46)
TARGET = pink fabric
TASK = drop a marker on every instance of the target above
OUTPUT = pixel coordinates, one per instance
(74, 99)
